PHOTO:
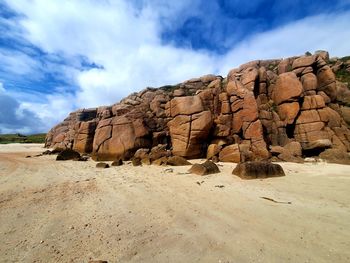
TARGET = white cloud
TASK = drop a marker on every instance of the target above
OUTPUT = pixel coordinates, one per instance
(127, 43)
(53, 108)
(33, 112)
(14, 117)
(324, 32)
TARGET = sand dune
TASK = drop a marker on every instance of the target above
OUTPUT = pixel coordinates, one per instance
(72, 212)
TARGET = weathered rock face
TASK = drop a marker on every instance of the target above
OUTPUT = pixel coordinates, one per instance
(78, 128)
(115, 137)
(190, 125)
(295, 103)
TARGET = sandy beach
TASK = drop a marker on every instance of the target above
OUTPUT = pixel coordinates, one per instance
(73, 212)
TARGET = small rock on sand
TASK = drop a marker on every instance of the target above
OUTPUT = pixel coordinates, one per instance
(205, 168)
(255, 170)
(102, 165)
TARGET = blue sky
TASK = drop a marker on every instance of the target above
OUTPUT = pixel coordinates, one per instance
(60, 55)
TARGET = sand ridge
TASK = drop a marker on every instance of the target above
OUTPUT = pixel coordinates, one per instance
(72, 212)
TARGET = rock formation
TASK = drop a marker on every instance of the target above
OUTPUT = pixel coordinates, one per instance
(297, 104)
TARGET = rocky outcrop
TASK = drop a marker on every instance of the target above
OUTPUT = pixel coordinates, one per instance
(298, 104)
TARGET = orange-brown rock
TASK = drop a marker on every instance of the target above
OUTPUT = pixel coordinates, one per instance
(259, 149)
(213, 150)
(343, 134)
(253, 131)
(185, 105)
(326, 99)
(309, 127)
(141, 153)
(85, 136)
(324, 55)
(343, 92)
(330, 116)
(161, 161)
(336, 156)
(319, 143)
(309, 81)
(304, 61)
(346, 114)
(293, 148)
(179, 93)
(119, 138)
(235, 87)
(230, 153)
(177, 161)
(250, 108)
(188, 132)
(225, 107)
(157, 152)
(237, 122)
(205, 168)
(288, 111)
(313, 102)
(223, 125)
(286, 88)
(284, 66)
(308, 116)
(291, 152)
(276, 150)
(307, 133)
(249, 77)
(326, 82)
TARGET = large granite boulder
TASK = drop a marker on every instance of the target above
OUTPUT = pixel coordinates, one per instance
(230, 153)
(84, 137)
(189, 127)
(287, 88)
(119, 137)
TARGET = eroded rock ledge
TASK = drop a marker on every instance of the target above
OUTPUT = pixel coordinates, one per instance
(280, 109)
